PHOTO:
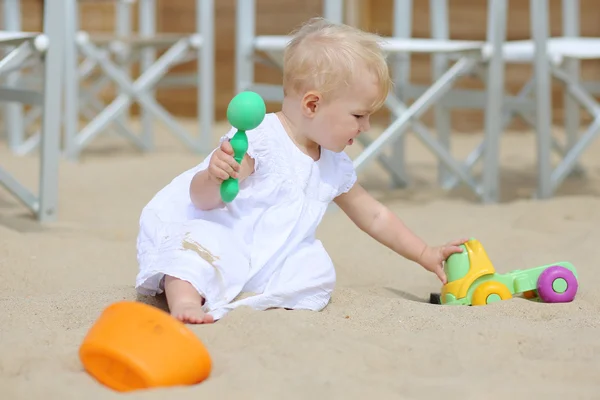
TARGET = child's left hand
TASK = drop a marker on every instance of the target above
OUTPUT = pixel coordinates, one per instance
(432, 258)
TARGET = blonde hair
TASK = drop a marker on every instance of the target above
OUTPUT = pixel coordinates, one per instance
(328, 57)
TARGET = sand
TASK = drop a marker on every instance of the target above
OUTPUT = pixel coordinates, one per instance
(379, 338)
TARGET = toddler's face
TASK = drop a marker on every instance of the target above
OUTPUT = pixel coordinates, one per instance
(339, 121)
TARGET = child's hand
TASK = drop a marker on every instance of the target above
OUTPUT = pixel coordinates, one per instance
(432, 258)
(222, 165)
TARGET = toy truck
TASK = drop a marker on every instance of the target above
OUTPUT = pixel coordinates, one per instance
(473, 280)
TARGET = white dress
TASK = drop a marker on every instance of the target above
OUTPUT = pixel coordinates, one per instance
(263, 242)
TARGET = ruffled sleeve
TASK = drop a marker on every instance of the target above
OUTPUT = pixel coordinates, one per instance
(347, 173)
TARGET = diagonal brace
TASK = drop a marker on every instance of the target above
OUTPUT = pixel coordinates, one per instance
(134, 90)
(408, 117)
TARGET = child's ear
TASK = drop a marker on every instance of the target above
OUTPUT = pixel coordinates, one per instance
(310, 103)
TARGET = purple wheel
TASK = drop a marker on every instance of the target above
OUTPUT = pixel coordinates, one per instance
(557, 285)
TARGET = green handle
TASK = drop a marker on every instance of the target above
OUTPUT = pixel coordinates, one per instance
(245, 112)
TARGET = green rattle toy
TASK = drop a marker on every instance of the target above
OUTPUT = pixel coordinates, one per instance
(245, 112)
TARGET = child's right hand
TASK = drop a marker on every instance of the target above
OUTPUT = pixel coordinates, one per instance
(222, 165)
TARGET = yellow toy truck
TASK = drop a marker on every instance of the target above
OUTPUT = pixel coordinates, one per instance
(472, 280)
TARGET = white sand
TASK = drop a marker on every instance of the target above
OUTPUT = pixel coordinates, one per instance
(378, 339)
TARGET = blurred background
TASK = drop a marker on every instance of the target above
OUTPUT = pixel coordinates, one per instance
(210, 42)
(467, 20)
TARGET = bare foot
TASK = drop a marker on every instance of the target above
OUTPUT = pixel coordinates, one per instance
(185, 303)
(191, 313)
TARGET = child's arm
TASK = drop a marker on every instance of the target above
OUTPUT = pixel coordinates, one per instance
(206, 184)
(383, 225)
(380, 223)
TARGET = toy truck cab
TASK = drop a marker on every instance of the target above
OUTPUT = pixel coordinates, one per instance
(462, 270)
(472, 280)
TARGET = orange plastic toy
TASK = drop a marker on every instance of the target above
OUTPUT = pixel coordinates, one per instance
(137, 346)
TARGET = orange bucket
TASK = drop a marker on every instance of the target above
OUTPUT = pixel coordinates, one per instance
(137, 346)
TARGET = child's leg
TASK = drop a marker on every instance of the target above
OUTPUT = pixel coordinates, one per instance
(305, 281)
(199, 264)
(185, 303)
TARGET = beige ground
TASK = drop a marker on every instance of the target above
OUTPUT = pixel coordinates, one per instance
(378, 339)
